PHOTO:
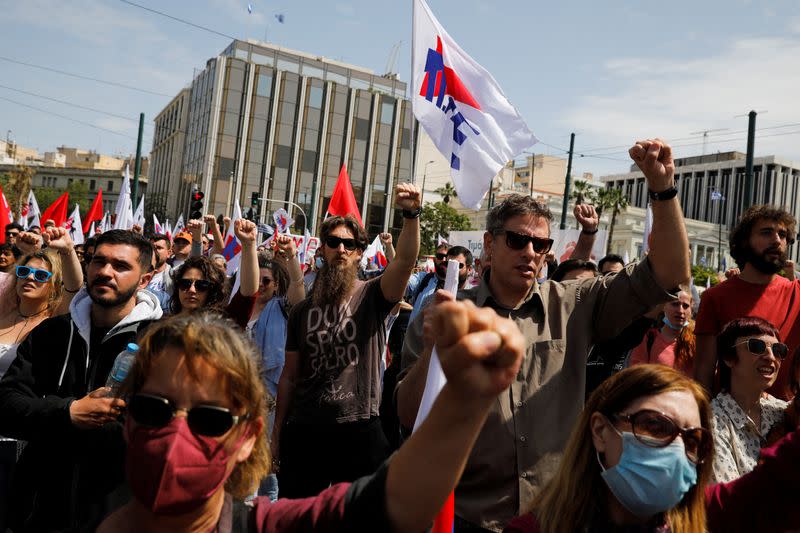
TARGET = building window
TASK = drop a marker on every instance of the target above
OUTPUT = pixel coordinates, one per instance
(264, 87)
(315, 97)
(387, 111)
(110, 186)
(91, 185)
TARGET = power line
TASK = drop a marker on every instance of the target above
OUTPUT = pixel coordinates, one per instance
(177, 19)
(123, 117)
(87, 78)
(66, 117)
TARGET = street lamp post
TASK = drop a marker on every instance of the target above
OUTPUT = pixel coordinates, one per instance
(424, 176)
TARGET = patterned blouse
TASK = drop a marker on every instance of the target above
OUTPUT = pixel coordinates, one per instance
(737, 441)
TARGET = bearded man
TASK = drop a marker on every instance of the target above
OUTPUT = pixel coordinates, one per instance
(759, 244)
(327, 425)
(53, 394)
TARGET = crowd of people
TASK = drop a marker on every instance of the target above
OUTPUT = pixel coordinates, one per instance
(581, 396)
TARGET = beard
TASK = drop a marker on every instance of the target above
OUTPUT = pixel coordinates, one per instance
(763, 263)
(111, 300)
(333, 283)
(441, 269)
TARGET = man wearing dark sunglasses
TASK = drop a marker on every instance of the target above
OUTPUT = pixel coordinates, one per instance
(53, 395)
(327, 425)
(560, 321)
(759, 244)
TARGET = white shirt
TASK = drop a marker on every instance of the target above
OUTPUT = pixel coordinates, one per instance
(737, 441)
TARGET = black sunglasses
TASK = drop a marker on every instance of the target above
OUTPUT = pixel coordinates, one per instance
(266, 281)
(518, 241)
(759, 347)
(441, 257)
(39, 274)
(200, 285)
(334, 242)
(657, 430)
(206, 420)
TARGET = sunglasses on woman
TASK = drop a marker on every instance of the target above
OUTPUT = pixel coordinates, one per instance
(206, 420)
(759, 347)
(657, 430)
(200, 285)
(334, 242)
(518, 241)
(40, 275)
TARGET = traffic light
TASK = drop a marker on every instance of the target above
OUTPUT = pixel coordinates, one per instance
(196, 204)
(255, 204)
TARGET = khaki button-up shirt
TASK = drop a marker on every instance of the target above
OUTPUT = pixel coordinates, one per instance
(520, 445)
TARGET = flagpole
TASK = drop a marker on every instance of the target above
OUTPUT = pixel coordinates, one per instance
(411, 128)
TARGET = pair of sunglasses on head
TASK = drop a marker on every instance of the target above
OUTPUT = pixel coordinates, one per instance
(39, 274)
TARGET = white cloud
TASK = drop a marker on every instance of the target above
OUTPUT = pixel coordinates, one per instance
(671, 98)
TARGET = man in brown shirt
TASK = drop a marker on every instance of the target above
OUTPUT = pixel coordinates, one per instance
(521, 443)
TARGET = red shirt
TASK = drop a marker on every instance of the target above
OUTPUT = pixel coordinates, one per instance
(777, 302)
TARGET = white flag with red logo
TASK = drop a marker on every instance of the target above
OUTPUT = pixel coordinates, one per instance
(462, 109)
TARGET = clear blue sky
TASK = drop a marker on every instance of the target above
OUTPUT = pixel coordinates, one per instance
(611, 71)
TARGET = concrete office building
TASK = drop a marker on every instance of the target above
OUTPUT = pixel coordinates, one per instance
(775, 181)
(261, 118)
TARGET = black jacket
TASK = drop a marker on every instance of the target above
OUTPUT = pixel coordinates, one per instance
(65, 475)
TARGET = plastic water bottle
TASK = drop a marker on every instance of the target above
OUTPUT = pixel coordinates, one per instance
(122, 364)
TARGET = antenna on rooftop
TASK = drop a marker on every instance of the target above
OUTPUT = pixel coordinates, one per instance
(391, 62)
(705, 136)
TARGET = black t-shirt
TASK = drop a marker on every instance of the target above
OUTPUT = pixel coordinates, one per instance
(340, 349)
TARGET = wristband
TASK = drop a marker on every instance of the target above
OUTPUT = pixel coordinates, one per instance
(667, 194)
(587, 232)
(407, 213)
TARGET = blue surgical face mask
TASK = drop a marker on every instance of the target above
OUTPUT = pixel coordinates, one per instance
(670, 325)
(318, 262)
(648, 481)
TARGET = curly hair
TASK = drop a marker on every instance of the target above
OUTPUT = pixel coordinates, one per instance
(513, 206)
(211, 272)
(740, 236)
(215, 340)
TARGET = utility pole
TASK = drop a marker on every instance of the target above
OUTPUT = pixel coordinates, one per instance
(567, 180)
(748, 177)
(138, 165)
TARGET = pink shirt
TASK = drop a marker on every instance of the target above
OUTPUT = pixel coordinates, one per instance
(661, 353)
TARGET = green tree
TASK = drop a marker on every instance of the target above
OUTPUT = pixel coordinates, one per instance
(78, 192)
(447, 192)
(439, 219)
(611, 199)
(155, 204)
(701, 274)
(16, 188)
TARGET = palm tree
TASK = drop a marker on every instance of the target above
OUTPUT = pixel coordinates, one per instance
(617, 202)
(583, 192)
(447, 192)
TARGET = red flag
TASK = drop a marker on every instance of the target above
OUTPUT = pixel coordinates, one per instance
(95, 213)
(343, 201)
(57, 212)
(5, 216)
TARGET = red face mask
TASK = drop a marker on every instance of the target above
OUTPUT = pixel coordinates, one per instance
(171, 470)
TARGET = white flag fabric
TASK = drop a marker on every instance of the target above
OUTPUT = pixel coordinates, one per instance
(462, 109)
(138, 216)
(648, 225)
(157, 225)
(374, 254)
(124, 209)
(626, 258)
(75, 226)
(91, 230)
(30, 213)
(105, 224)
(282, 220)
(179, 226)
(168, 229)
(435, 380)
(232, 250)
